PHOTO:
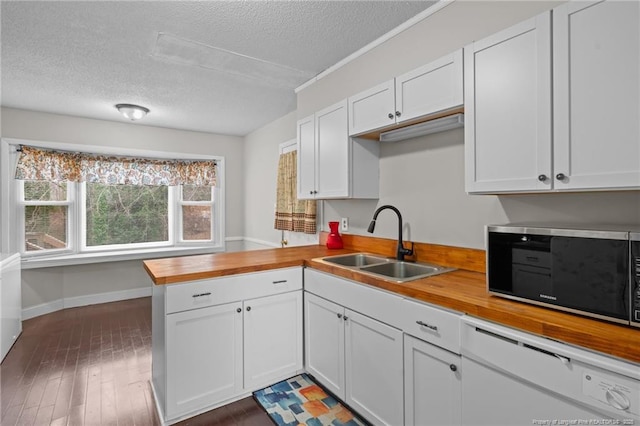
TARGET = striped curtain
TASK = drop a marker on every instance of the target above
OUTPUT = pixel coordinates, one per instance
(292, 214)
(61, 166)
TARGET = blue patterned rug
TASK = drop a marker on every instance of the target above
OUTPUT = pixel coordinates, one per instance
(300, 401)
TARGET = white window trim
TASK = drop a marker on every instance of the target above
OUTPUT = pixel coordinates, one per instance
(179, 217)
(82, 242)
(12, 225)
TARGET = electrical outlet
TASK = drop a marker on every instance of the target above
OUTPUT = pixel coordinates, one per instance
(344, 224)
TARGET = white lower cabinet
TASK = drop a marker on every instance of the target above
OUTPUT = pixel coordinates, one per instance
(213, 344)
(432, 384)
(204, 357)
(272, 338)
(354, 355)
(324, 342)
(393, 360)
(373, 369)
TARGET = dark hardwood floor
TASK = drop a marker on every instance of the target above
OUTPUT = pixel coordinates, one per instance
(92, 366)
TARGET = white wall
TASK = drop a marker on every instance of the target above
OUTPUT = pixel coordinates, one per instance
(424, 177)
(261, 152)
(81, 283)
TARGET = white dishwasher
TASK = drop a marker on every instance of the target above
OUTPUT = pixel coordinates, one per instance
(515, 378)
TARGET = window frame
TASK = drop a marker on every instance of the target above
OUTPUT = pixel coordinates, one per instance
(70, 203)
(179, 222)
(13, 213)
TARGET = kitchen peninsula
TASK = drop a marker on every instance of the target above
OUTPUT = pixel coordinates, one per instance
(232, 306)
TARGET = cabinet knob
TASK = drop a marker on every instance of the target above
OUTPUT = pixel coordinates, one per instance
(339, 315)
(561, 176)
(398, 113)
(248, 308)
(391, 116)
(345, 318)
(239, 310)
(542, 178)
(453, 367)
(310, 192)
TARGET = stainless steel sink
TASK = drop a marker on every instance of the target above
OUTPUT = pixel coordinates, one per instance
(357, 260)
(402, 271)
(386, 268)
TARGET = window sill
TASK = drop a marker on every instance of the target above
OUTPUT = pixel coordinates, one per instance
(115, 256)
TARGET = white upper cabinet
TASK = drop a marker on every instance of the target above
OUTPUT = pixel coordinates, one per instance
(431, 88)
(567, 120)
(596, 57)
(434, 87)
(372, 109)
(306, 158)
(332, 152)
(330, 163)
(508, 109)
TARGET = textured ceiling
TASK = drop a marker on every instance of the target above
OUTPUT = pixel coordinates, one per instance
(225, 67)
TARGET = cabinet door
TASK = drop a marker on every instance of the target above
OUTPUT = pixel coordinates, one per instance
(306, 158)
(596, 59)
(324, 342)
(432, 384)
(374, 369)
(508, 109)
(10, 304)
(333, 152)
(204, 357)
(372, 109)
(272, 339)
(434, 87)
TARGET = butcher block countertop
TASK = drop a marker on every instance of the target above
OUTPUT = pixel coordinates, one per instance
(461, 290)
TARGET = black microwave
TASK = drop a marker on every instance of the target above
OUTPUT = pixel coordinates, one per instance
(593, 272)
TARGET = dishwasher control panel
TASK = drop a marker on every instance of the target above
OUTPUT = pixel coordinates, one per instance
(623, 395)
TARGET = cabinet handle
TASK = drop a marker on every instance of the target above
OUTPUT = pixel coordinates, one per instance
(453, 367)
(310, 192)
(339, 315)
(345, 318)
(542, 178)
(279, 282)
(202, 294)
(390, 116)
(561, 176)
(248, 308)
(429, 326)
(398, 113)
(239, 310)
(315, 192)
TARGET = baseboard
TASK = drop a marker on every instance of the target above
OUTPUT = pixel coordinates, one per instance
(113, 296)
(90, 299)
(42, 309)
(261, 242)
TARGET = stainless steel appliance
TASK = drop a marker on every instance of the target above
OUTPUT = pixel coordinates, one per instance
(593, 272)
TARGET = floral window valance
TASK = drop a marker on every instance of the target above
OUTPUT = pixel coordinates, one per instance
(60, 166)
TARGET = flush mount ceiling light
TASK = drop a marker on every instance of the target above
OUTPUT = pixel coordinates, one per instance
(426, 128)
(132, 112)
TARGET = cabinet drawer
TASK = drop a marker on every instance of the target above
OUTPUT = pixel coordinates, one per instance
(216, 291)
(434, 325)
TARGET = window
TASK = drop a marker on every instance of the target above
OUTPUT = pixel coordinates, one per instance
(46, 216)
(112, 217)
(72, 219)
(195, 213)
(125, 214)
